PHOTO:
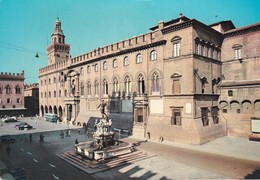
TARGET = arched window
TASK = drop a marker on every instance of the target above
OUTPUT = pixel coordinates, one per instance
(139, 58)
(96, 87)
(17, 89)
(153, 55)
(49, 93)
(115, 85)
(141, 84)
(126, 61)
(105, 86)
(155, 82)
(88, 70)
(59, 93)
(54, 80)
(54, 94)
(18, 100)
(115, 63)
(96, 67)
(105, 65)
(81, 70)
(88, 88)
(127, 85)
(8, 89)
(82, 88)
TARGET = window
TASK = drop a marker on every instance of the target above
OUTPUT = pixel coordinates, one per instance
(82, 88)
(50, 81)
(88, 70)
(96, 67)
(202, 50)
(127, 85)
(45, 94)
(105, 86)
(54, 80)
(8, 89)
(54, 94)
(49, 93)
(139, 58)
(214, 114)
(126, 61)
(230, 93)
(115, 85)
(196, 48)
(141, 84)
(115, 63)
(176, 86)
(176, 41)
(81, 70)
(88, 88)
(96, 87)
(8, 100)
(17, 90)
(204, 116)
(237, 51)
(105, 65)
(65, 92)
(153, 55)
(41, 95)
(18, 100)
(176, 117)
(59, 93)
(155, 82)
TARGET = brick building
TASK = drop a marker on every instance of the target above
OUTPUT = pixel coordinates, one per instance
(11, 94)
(31, 98)
(174, 82)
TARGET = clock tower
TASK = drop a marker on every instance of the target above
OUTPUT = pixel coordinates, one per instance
(57, 51)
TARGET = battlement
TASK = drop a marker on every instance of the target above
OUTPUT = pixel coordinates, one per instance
(8, 75)
(133, 42)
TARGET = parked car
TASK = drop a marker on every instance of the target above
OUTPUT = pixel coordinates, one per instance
(23, 125)
(7, 139)
(10, 119)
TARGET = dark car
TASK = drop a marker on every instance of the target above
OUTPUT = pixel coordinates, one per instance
(10, 119)
(7, 139)
(23, 125)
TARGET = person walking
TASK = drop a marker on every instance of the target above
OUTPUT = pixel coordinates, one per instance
(30, 137)
(76, 141)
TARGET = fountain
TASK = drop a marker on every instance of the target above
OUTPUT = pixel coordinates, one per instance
(104, 145)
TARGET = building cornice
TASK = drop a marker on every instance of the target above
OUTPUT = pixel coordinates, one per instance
(186, 24)
(239, 83)
(122, 52)
(243, 30)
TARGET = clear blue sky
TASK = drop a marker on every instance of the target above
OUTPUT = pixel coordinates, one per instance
(26, 25)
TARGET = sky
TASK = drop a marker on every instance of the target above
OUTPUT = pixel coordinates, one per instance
(26, 25)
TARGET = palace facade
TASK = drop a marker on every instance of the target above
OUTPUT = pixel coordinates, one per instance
(184, 81)
(11, 94)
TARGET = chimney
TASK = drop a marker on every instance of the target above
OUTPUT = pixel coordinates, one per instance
(161, 25)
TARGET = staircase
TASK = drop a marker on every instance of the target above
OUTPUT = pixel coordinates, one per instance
(91, 166)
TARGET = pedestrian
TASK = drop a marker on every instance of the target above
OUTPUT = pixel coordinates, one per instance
(41, 138)
(8, 150)
(76, 141)
(30, 137)
(78, 130)
(148, 135)
(62, 134)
